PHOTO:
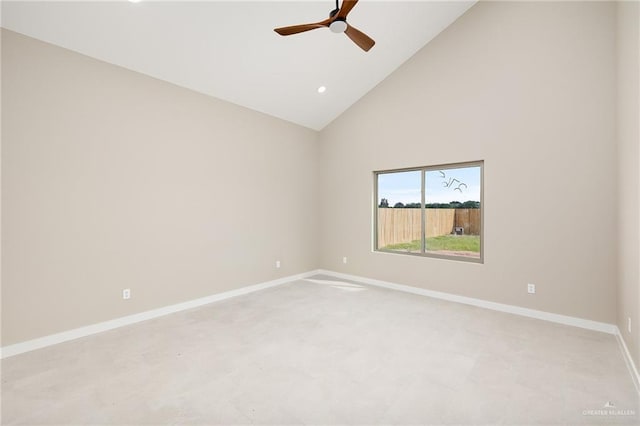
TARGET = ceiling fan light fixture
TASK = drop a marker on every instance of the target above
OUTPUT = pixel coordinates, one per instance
(338, 26)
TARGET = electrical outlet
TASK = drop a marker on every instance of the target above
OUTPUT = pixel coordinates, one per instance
(277, 264)
(531, 288)
(344, 259)
(629, 324)
(126, 293)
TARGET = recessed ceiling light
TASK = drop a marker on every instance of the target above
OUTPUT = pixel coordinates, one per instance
(134, 1)
(322, 89)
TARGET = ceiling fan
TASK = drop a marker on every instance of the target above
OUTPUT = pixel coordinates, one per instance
(336, 22)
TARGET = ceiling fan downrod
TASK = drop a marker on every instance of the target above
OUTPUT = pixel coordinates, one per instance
(334, 11)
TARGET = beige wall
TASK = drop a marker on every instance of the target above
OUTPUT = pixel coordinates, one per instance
(530, 89)
(112, 180)
(628, 125)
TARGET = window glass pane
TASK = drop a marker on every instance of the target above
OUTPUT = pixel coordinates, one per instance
(399, 213)
(452, 211)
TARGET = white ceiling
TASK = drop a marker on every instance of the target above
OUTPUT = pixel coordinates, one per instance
(228, 49)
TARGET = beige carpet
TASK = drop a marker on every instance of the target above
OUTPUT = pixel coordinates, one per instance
(326, 352)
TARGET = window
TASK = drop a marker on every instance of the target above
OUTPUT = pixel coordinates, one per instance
(433, 211)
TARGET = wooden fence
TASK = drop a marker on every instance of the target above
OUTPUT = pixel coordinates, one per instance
(403, 225)
(469, 219)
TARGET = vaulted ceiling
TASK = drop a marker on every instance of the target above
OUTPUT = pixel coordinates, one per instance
(228, 49)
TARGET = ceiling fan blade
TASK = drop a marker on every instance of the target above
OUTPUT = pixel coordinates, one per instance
(295, 29)
(361, 39)
(347, 5)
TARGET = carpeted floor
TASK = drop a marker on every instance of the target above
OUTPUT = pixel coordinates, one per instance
(321, 351)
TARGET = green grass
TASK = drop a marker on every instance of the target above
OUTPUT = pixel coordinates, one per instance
(443, 242)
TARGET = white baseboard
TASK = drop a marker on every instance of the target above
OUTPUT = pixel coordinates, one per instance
(65, 336)
(517, 310)
(628, 360)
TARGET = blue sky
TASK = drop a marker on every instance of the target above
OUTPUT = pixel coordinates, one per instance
(442, 186)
